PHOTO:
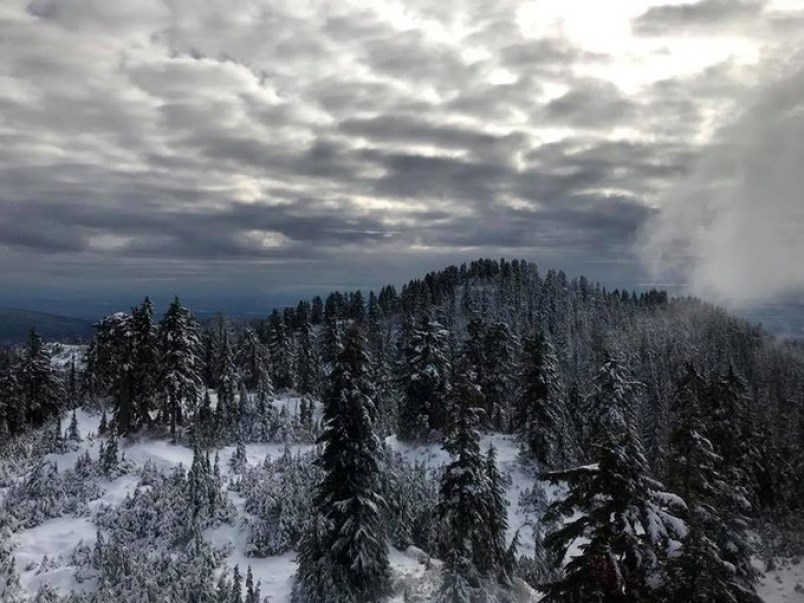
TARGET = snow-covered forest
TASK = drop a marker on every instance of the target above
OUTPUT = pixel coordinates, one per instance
(491, 432)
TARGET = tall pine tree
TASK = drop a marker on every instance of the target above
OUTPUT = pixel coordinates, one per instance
(621, 519)
(343, 554)
(181, 366)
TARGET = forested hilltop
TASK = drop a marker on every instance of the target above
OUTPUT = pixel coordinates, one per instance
(490, 432)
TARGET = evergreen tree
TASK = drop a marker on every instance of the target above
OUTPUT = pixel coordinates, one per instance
(699, 573)
(732, 438)
(181, 367)
(331, 339)
(12, 412)
(357, 308)
(114, 362)
(90, 387)
(495, 378)
(385, 396)
(623, 519)
(281, 346)
(145, 363)
(613, 402)
(541, 411)
(237, 586)
(463, 496)
(425, 382)
(239, 461)
(72, 431)
(72, 384)
(198, 486)
(344, 544)
(103, 426)
(109, 461)
(228, 409)
(253, 360)
(496, 558)
(252, 593)
(10, 589)
(308, 364)
(40, 388)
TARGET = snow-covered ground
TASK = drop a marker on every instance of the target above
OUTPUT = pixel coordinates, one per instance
(43, 553)
(783, 585)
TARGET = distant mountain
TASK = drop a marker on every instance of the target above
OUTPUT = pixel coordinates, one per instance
(16, 324)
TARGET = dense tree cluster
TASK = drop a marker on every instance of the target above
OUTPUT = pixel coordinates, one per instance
(670, 425)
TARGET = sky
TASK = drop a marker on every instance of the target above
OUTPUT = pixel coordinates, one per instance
(241, 152)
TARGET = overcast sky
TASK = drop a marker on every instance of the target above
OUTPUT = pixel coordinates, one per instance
(249, 148)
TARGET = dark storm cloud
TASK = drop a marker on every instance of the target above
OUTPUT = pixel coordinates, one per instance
(168, 136)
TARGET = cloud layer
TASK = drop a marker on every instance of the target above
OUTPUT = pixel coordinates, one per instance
(269, 144)
(736, 228)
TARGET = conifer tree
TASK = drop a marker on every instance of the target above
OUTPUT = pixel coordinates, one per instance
(237, 586)
(623, 519)
(253, 359)
(425, 382)
(343, 552)
(252, 594)
(145, 363)
(72, 431)
(12, 412)
(281, 346)
(385, 396)
(308, 364)
(495, 378)
(331, 344)
(613, 401)
(108, 455)
(72, 384)
(699, 573)
(40, 388)
(114, 362)
(181, 366)
(496, 559)
(103, 426)
(239, 461)
(228, 409)
(732, 438)
(541, 411)
(10, 589)
(463, 497)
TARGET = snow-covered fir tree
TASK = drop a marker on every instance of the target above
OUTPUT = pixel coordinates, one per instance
(180, 377)
(622, 521)
(281, 346)
(40, 389)
(700, 571)
(541, 412)
(308, 363)
(343, 553)
(425, 381)
(469, 504)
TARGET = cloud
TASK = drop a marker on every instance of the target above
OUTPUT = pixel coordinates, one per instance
(700, 16)
(294, 140)
(735, 230)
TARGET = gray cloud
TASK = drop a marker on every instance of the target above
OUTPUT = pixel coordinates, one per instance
(164, 139)
(697, 16)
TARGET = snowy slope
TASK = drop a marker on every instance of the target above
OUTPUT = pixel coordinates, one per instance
(783, 585)
(43, 553)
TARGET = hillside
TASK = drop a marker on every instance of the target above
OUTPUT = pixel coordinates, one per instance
(16, 325)
(191, 456)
